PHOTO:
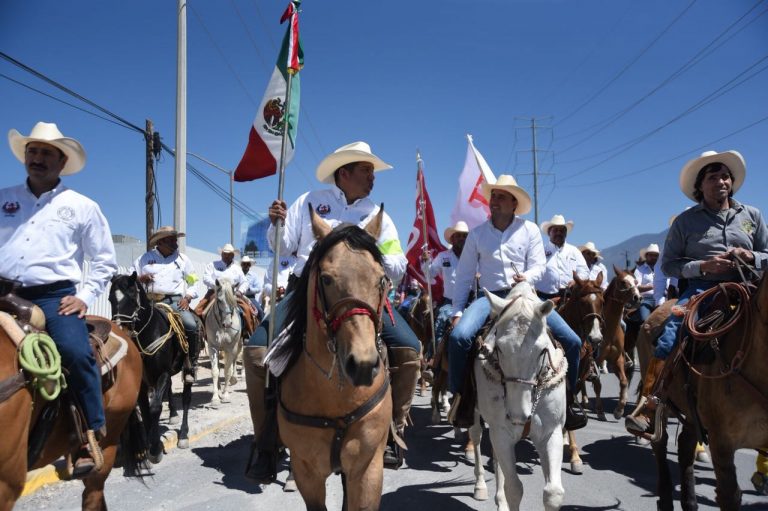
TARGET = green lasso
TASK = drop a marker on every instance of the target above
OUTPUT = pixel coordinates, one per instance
(40, 358)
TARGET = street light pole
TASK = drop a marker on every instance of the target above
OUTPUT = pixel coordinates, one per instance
(230, 175)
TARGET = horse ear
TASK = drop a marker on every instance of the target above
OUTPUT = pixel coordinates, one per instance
(320, 227)
(546, 307)
(576, 278)
(599, 279)
(374, 226)
(497, 304)
(616, 271)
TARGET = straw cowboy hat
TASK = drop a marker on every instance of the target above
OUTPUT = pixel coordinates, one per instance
(164, 232)
(590, 246)
(228, 249)
(653, 248)
(246, 260)
(460, 226)
(356, 151)
(48, 133)
(557, 220)
(508, 184)
(731, 159)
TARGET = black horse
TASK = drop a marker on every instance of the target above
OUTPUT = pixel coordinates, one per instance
(148, 325)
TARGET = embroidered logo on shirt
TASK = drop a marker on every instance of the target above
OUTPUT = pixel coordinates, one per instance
(446, 263)
(284, 263)
(10, 208)
(65, 213)
(548, 253)
(323, 209)
(747, 226)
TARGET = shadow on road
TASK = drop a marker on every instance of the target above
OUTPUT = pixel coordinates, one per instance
(229, 460)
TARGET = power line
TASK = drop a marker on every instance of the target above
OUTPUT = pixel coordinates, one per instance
(627, 66)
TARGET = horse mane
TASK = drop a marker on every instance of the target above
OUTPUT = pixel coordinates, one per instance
(356, 239)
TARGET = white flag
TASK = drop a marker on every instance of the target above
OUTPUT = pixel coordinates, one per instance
(471, 206)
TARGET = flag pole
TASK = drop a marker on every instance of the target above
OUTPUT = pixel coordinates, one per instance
(428, 275)
(279, 224)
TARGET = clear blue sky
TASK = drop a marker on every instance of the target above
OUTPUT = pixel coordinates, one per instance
(404, 75)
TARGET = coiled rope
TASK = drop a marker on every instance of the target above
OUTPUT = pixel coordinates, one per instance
(40, 358)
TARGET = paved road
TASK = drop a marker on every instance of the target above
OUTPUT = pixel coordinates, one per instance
(619, 474)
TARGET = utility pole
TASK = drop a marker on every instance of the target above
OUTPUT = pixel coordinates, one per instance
(180, 185)
(535, 156)
(149, 197)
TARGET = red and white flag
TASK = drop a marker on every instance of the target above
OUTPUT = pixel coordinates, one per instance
(470, 205)
(417, 243)
(262, 154)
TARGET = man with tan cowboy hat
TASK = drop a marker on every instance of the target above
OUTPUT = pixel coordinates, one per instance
(504, 250)
(592, 257)
(644, 274)
(350, 172)
(46, 231)
(563, 259)
(170, 278)
(703, 246)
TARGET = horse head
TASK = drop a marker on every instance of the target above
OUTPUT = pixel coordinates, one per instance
(519, 341)
(226, 302)
(587, 299)
(341, 296)
(127, 298)
(623, 288)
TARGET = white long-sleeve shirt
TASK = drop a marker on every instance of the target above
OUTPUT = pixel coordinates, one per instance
(218, 270)
(284, 269)
(561, 263)
(495, 255)
(595, 270)
(661, 283)
(445, 264)
(45, 240)
(255, 284)
(172, 275)
(644, 277)
(331, 205)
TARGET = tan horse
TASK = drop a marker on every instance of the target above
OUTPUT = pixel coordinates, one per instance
(731, 400)
(419, 320)
(21, 409)
(335, 401)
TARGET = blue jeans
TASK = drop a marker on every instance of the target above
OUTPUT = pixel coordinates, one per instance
(397, 335)
(71, 337)
(473, 319)
(643, 311)
(442, 322)
(668, 338)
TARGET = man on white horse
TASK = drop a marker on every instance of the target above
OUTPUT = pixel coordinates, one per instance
(169, 277)
(225, 268)
(505, 250)
(563, 259)
(46, 230)
(350, 172)
(592, 257)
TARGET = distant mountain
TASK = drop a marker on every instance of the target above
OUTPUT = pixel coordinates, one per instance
(626, 253)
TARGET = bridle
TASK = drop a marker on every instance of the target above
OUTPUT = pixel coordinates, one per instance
(130, 320)
(576, 300)
(218, 314)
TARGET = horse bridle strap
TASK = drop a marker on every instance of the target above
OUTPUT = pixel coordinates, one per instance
(11, 385)
(340, 425)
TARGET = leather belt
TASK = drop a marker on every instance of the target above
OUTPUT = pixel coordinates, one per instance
(31, 292)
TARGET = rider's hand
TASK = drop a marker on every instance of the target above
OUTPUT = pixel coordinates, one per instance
(146, 278)
(277, 211)
(425, 257)
(454, 321)
(184, 303)
(718, 264)
(519, 278)
(742, 253)
(72, 305)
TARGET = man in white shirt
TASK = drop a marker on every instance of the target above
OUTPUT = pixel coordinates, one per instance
(255, 285)
(285, 277)
(664, 288)
(350, 172)
(592, 257)
(225, 268)
(504, 250)
(169, 277)
(563, 259)
(644, 275)
(46, 231)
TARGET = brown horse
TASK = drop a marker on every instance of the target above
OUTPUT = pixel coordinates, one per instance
(420, 321)
(583, 311)
(19, 412)
(731, 399)
(335, 404)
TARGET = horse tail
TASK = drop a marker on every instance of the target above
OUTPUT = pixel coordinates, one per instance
(134, 446)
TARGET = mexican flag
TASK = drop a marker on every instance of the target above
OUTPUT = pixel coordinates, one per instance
(262, 155)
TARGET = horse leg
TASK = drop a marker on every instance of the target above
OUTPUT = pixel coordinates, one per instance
(727, 492)
(213, 353)
(598, 387)
(476, 436)
(618, 412)
(186, 401)
(435, 404)
(311, 485)
(550, 453)
(173, 412)
(362, 489)
(577, 466)
(93, 494)
(229, 363)
(155, 407)
(664, 484)
(686, 454)
(506, 472)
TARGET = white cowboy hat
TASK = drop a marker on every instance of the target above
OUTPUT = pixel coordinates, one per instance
(246, 260)
(652, 248)
(590, 246)
(460, 226)
(163, 232)
(557, 220)
(49, 134)
(356, 151)
(508, 184)
(228, 248)
(731, 159)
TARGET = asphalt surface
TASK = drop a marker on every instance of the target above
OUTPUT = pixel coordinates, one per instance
(619, 473)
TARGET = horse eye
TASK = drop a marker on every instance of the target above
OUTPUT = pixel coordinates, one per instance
(326, 280)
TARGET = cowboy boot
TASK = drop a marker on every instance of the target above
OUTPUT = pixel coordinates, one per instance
(575, 418)
(641, 421)
(404, 368)
(265, 451)
(190, 365)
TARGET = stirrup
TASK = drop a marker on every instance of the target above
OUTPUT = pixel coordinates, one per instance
(89, 459)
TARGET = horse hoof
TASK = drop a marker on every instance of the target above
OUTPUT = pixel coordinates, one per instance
(436, 417)
(155, 458)
(481, 494)
(183, 443)
(470, 454)
(601, 417)
(618, 413)
(233, 380)
(225, 398)
(577, 467)
(174, 419)
(215, 403)
(290, 486)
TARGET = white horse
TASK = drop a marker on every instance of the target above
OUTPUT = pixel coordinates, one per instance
(520, 379)
(222, 329)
